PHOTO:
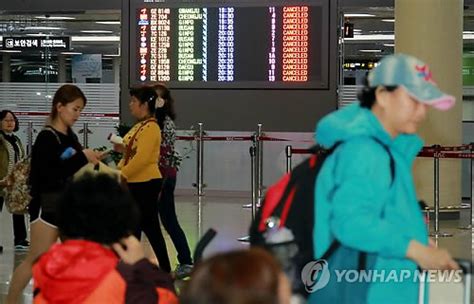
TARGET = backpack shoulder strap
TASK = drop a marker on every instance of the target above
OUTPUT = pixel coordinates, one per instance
(319, 154)
(128, 148)
(50, 129)
(392, 161)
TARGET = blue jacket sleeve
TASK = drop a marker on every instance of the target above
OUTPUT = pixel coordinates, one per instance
(362, 183)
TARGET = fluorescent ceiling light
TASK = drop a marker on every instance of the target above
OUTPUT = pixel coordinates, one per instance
(112, 55)
(95, 38)
(37, 35)
(10, 51)
(389, 44)
(371, 37)
(391, 37)
(388, 20)
(43, 28)
(71, 53)
(96, 32)
(108, 22)
(55, 18)
(357, 30)
(370, 51)
(358, 15)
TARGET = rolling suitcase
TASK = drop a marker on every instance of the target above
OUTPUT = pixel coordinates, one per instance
(447, 290)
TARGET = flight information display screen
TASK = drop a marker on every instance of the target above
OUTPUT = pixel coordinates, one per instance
(237, 44)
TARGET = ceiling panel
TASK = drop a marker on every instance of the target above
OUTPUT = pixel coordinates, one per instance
(23, 23)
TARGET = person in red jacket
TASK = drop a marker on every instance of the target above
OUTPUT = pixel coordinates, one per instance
(99, 261)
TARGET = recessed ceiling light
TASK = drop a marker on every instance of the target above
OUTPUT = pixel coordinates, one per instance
(43, 28)
(358, 15)
(371, 51)
(388, 20)
(108, 22)
(55, 18)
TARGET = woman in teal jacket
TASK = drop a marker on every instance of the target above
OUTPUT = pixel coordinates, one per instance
(366, 205)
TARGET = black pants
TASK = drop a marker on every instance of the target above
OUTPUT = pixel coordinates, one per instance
(167, 211)
(146, 196)
(19, 227)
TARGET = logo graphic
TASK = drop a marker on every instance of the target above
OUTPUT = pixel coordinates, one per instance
(315, 275)
(424, 71)
(9, 43)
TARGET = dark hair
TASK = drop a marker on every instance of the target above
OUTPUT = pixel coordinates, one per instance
(238, 277)
(366, 95)
(64, 95)
(168, 108)
(145, 94)
(96, 208)
(4, 113)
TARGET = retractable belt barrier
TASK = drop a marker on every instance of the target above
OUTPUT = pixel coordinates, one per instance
(256, 161)
(256, 139)
(436, 152)
(232, 138)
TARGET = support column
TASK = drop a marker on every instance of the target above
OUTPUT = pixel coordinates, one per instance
(6, 67)
(432, 31)
(116, 69)
(61, 68)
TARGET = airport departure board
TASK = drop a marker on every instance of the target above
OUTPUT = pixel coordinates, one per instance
(230, 44)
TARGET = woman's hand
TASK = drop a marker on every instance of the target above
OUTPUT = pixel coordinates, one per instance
(103, 154)
(120, 148)
(430, 258)
(129, 249)
(92, 156)
(432, 243)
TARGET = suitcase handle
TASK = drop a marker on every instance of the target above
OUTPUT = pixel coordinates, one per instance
(466, 265)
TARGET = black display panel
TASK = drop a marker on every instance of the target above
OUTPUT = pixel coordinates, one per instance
(233, 44)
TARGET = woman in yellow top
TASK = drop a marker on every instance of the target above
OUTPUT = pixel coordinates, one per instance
(139, 167)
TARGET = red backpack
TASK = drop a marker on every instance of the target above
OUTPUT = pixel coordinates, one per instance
(284, 223)
(289, 205)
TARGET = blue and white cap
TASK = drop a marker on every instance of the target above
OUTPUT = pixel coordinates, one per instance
(414, 75)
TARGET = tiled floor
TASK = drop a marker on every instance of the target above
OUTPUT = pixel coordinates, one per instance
(225, 214)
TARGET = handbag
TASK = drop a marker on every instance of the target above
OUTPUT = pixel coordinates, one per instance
(17, 192)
